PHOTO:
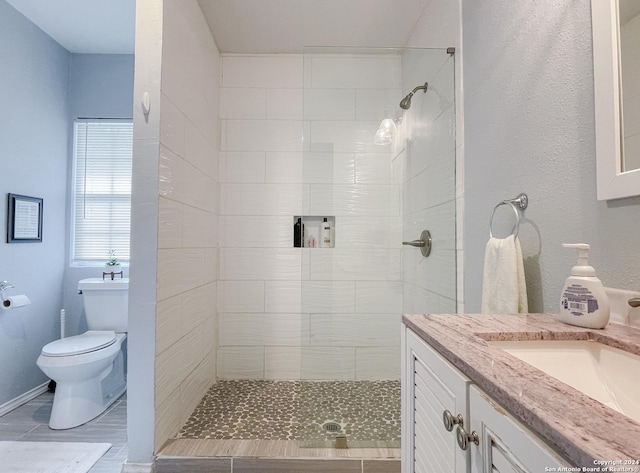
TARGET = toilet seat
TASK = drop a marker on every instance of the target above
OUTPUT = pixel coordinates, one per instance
(92, 340)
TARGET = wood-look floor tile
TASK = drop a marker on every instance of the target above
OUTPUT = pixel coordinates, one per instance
(268, 448)
(381, 466)
(29, 422)
(12, 431)
(277, 465)
(193, 465)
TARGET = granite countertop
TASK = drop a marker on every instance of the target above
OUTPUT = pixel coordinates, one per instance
(578, 427)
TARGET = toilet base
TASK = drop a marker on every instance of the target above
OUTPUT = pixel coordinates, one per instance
(76, 403)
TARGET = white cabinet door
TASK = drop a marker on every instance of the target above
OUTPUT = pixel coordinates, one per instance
(430, 386)
(506, 446)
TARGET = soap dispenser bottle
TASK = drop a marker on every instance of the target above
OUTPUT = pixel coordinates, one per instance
(584, 301)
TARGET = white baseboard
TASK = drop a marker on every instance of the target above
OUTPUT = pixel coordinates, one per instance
(23, 398)
(137, 467)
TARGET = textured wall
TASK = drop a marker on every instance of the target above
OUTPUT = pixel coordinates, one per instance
(34, 125)
(310, 313)
(529, 127)
(186, 320)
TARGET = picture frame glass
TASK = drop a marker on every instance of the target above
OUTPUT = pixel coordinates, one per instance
(24, 219)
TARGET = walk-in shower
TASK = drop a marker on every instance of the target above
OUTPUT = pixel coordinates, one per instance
(309, 334)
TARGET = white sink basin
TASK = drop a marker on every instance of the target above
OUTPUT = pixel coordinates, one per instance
(604, 373)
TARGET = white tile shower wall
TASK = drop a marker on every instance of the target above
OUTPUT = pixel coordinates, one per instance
(356, 72)
(372, 360)
(260, 329)
(283, 167)
(188, 217)
(354, 330)
(261, 135)
(355, 200)
(290, 313)
(246, 231)
(260, 199)
(429, 196)
(283, 296)
(241, 296)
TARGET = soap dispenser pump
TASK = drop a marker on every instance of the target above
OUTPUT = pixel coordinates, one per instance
(584, 301)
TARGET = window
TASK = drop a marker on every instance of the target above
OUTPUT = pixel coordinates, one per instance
(101, 190)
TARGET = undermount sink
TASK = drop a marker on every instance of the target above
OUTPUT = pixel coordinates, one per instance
(604, 373)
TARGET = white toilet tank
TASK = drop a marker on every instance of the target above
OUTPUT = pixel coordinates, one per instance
(106, 303)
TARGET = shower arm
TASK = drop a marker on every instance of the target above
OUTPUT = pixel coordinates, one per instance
(421, 87)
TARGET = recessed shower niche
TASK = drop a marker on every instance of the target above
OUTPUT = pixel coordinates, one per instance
(313, 231)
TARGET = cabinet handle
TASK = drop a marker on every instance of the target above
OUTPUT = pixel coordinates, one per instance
(464, 438)
(449, 421)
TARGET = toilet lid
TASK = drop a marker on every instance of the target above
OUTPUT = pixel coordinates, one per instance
(87, 342)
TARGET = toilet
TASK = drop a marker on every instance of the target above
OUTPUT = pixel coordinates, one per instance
(89, 369)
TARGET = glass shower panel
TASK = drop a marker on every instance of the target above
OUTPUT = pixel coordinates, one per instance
(429, 182)
(355, 175)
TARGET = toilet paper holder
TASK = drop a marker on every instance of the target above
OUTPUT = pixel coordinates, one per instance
(4, 285)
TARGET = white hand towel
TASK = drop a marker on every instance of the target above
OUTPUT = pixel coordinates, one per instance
(504, 290)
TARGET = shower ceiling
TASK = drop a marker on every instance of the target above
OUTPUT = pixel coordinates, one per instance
(286, 26)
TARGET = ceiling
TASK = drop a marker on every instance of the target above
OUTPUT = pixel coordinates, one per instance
(286, 26)
(84, 26)
(243, 26)
(239, 26)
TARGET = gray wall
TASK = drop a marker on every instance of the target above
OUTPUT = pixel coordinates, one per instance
(34, 125)
(100, 86)
(529, 127)
(42, 89)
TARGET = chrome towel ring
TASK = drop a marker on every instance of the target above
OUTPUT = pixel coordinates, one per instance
(521, 202)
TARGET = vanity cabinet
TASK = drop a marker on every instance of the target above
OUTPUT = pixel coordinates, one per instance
(431, 386)
(494, 441)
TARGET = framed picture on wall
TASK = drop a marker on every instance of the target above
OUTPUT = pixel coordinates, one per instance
(24, 219)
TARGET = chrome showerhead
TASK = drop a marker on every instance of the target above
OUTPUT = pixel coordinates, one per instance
(405, 103)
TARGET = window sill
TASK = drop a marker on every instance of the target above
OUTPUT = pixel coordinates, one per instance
(94, 264)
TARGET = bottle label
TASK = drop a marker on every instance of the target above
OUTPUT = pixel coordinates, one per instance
(326, 236)
(579, 300)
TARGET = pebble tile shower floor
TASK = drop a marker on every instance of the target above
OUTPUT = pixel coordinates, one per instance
(366, 411)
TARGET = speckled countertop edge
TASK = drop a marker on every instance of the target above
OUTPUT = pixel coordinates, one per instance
(579, 428)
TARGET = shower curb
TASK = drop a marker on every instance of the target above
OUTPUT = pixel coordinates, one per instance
(172, 464)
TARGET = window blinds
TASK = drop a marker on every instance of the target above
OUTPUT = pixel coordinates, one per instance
(102, 189)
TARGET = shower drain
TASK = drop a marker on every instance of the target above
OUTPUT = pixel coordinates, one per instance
(332, 427)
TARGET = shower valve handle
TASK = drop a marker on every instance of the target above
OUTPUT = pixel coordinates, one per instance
(424, 243)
